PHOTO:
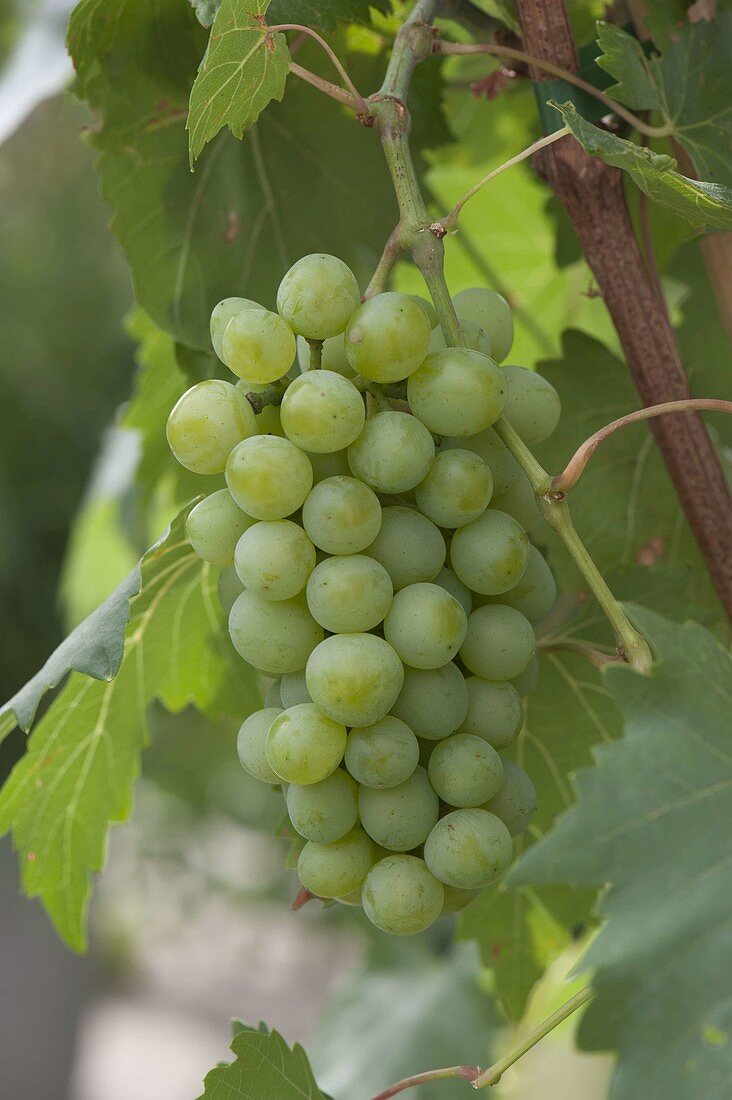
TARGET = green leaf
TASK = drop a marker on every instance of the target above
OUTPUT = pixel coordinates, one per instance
(623, 57)
(702, 204)
(265, 1067)
(321, 14)
(652, 818)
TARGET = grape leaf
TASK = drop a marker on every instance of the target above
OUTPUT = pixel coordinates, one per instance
(322, 14)
(265, 1067)
(652, 819)
(624, 58)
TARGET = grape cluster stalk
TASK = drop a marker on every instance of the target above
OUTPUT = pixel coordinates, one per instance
(374, 538)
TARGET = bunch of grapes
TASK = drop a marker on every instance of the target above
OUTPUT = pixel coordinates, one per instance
(375, 536)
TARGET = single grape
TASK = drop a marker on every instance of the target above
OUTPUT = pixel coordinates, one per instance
(401, 897)
(409, 546)
(329, 465)
(399, 818)
(354, 678)
(274, 636)
(382, 755)
(425, 625)
(519, 501)
(532, 404)
(463, 767)
(215, 526)
(322, 411)
(268, 477)
(475, 337)
(228, 587)
(490, 554)
(457, 489)
(393, 452)
(349, 595)
(428, 308)
(304, 745)
(468, 848)
(452, 584)
(317, 296)
(456, 899)
(457, 392)
(499, 642)
(250, 744)
(492, 312)
(324, 811)
(258, 345)
(275, 558)
(497, 457)
(495, 711)
(433, 702)
(222, 314)
(273, 695)
(336, 870)
(206, 423)
(332, 356)
(342, 515)
(516, 801)
(536, 593)
(293, 689)
(526, 682)
(387, 337)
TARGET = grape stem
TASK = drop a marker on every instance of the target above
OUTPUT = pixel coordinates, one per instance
(594, 655)
(361, 105)
(316, 354)
(325, 86)
(393, 249)
(270, 395)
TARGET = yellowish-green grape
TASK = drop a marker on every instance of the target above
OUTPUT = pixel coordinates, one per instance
(317, 296)
(322, 411)
(532, 404)
(499, 643)
(399, 818)
(228, 587)
(457, 392)
(529, 678)
(222, 314)
(428, 308)
(342, 515)
(275, 558)
(393, 452)
(409, 546)
(275, 636)
(468, 848)
(519, 501)
(382, 755)
(206, 423)
(456, 899)
(332, 356)
(250, 744)
(457, 489)
(354, 678)
(387, 337)
(536, 593)
(516, 801)
(324, 811)
(492, 312)
(401, 896)
(433, 702)
(463, 767)
(258, 345)
(349, 595)
(215, 526)
(304, 745)
(495, 711)
(268, 477)
(293, 689)
(336, 870)
(452, 584)
(425, 625)
(475, 337)
(490, 554)
(494, 453)
(329, 465)
(273, 696)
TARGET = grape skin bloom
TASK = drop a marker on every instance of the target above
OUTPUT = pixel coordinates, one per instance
(425, 625)
(274, 636)
(304, 745)
(468, 848)
(322, 412)
(465, 770)
(457, 392)
(349, 594)
(401, 896)
(393, 453)
(317, 296)
(399, 818)
(354, 678)
(382, 755)
(342, 515)
(275, 558)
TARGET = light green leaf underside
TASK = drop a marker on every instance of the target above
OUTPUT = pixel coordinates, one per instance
(265, 1067)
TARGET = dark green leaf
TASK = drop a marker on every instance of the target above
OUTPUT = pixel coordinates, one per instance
(264, 1067)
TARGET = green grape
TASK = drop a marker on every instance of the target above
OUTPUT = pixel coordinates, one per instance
(353, 899)
(425, 625)
(475, 337)
(457, 392)
(494, 453)
(499, 643)
(519, 501)
(293, 689)
(468, 848)
(382, 755)
(349, 595)
(529, 678)
(342, 515)
(516, 801)
(322, 411)
(532, 404)
(399, 818)
(428, 308)
(268, 477)
(229, 587)
(490, 554)
(354, 678)
(393, 452)
(457, 489)
(273, 695)
(495, 711)
(536, 593)
(329, 465)
(400, 895)
(409, 546)
(258, 345)
(215, 526)
(492, 312)
(463, 767)
(222, 313)
(332, 355)
(274, 636)
(324, 811)
(336, 870)
(456, 899)
(250, 744)
(275, 558)
(304, 745)
(452, 584)
(206, 423)
(433, 702)
(317, 296)
(387, 337)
